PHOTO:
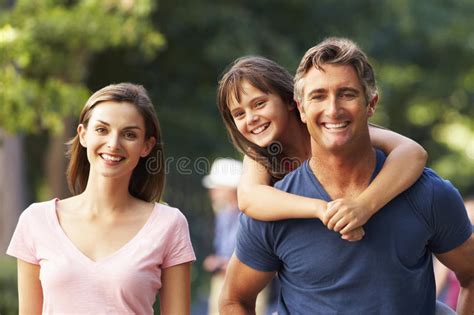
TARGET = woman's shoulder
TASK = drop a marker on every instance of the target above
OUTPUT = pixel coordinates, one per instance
(37, 209)
(169, 213)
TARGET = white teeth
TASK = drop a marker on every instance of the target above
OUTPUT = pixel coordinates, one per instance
(335, 126)
(111, 158)
(260, 129)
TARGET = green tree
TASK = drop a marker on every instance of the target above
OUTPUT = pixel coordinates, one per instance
(46, 48)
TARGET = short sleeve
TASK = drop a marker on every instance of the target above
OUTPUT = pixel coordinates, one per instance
(22, 245)
(451, 223)
(180, 249)
(254, 247)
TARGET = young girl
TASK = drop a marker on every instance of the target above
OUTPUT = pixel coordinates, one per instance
(110, 248)
(255, 99)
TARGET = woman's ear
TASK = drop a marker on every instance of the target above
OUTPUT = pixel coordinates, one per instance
(81, 132)
(148, 146)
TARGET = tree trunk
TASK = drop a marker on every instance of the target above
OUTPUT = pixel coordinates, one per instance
(56, 163)
(12, 185)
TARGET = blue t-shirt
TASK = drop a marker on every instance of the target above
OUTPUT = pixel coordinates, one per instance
(388, 272)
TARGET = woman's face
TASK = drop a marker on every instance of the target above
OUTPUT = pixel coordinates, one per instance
(260, 117)
(115, 139)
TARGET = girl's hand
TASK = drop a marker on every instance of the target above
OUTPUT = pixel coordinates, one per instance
(345, 215)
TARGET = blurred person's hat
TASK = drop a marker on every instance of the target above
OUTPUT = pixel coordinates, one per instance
(224, 173)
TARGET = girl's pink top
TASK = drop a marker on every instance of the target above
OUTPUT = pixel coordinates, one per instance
(126, 282)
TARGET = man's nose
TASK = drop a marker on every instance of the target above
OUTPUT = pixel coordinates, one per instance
(332, 107)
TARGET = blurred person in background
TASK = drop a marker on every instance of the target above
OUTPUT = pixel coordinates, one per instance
(111, 248)
(447, 285)
(221, 184)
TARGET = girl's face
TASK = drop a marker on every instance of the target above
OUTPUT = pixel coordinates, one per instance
(115, 139)
(260, 117)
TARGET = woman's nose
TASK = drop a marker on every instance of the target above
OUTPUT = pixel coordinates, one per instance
(113, 142)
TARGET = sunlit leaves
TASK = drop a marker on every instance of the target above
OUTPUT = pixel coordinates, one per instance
(46, 48)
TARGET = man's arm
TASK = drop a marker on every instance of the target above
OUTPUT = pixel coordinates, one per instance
(461, 261)
(241, 287)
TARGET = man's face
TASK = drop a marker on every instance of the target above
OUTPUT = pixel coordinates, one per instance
(223, 197)
(334, 107)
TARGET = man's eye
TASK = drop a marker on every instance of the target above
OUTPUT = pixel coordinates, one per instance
(316, 97)
(348, 95)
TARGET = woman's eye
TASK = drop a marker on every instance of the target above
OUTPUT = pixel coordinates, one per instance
(130, 135)
(100, 130)
(260, 104)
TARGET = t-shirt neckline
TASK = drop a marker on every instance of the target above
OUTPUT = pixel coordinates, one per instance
(74, 250)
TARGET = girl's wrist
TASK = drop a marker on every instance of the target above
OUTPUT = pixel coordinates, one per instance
(320, 207)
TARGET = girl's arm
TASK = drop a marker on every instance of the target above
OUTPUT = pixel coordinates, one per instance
(261, 201)
(175, 290)
(30, 293)
(405, 162)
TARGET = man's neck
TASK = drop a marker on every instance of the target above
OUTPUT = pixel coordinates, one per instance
(297, 146)
(344, 174)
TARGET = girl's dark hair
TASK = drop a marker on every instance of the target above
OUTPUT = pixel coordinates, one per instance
(269, 77)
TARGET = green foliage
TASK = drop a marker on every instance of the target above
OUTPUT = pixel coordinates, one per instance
(422, 52)
(46, 48)
(8, 286)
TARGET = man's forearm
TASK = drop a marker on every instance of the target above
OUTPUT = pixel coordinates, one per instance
(235, 308)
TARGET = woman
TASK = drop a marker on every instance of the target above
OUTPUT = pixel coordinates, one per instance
(255, 99)
(110, 248)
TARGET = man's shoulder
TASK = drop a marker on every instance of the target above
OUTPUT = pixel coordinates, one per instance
(430, 188)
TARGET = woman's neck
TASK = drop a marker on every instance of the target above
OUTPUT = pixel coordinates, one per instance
(106, 195)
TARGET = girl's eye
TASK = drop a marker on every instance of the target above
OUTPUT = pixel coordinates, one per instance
(260, 104)
(237, 115)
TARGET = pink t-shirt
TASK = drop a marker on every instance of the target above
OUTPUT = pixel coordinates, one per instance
(126, 282)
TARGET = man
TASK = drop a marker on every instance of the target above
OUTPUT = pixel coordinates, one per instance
(390, 270)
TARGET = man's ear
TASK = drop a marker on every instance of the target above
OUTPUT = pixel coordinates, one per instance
(81, 132)
(149, 145)
(372, 104)
(301, 110)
